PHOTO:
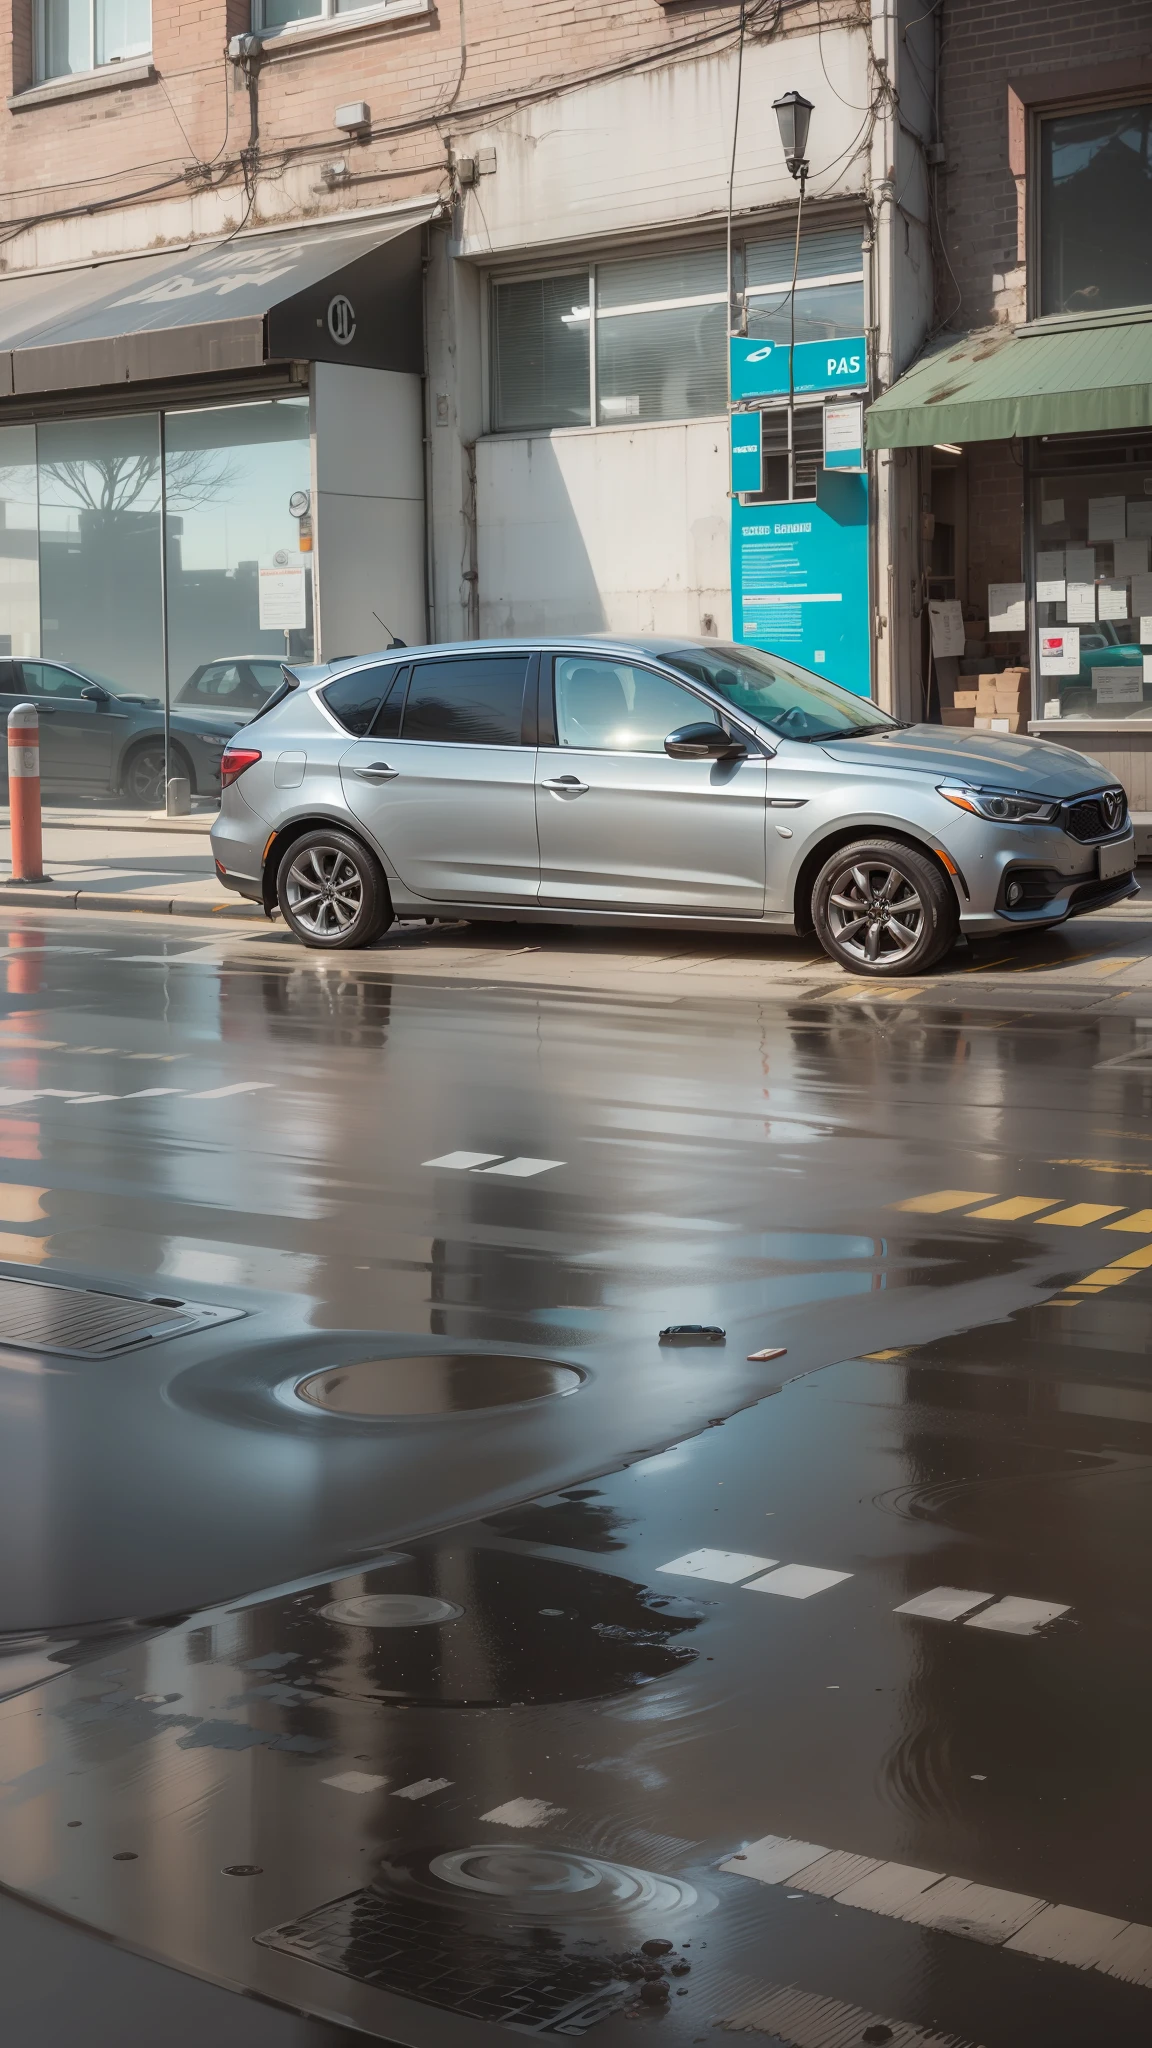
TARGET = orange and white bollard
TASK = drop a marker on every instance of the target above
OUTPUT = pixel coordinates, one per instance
(24, 793)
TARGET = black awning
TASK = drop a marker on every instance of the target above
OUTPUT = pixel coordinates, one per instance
(349, 294)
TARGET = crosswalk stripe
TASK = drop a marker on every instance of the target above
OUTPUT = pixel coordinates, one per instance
(939, 1204)
(797, 1581)
(1141, 1219)
(953, 1905)
(1014, 1208)
(806, 2019)
(1016, 1617)
(1082, 1212)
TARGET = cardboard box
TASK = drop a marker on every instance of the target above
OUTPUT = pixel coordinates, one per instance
(964, 700)
(957, 714)
(985, 701)
(1010, 700)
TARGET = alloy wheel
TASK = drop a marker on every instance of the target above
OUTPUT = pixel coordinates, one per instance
(875, 913)
(145, 778)
(325, 891)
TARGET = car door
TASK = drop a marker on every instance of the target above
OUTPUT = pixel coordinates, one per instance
(622, 825)
(450, 797)
(75, 731)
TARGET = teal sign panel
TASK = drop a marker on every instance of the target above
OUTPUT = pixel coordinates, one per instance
(800, 580)
(747, 451)
(760, 368)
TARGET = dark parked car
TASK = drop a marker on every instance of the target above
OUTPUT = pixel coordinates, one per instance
(241, 683)
(98, 739)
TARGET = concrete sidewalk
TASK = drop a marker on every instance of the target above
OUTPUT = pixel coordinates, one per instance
(105, 858)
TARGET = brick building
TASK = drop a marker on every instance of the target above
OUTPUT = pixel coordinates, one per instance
(1039, 376)
(322, 323)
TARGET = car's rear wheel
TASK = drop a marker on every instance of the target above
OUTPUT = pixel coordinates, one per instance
(332, 892)
(880, 909)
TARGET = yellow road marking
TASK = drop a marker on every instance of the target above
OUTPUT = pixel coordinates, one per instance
(1015, 1207)
(1141, 1219)
(1138, 1257)
(1081, 1213)
(1102, 1166)
(1105, 1276)
(886, 1354)
(947, 1198)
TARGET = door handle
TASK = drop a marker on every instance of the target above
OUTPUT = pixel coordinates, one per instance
(376, 771)
(566, 785)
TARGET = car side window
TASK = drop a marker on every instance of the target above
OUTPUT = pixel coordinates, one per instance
(10, 683)
(356, 698)
(46, 680)
(470, 699)
(619, 708)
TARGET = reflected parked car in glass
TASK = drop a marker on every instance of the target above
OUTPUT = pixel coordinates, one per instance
(240, 683)
(657, 782)
(98, 739)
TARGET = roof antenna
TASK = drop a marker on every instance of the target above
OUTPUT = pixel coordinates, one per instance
(387, 628)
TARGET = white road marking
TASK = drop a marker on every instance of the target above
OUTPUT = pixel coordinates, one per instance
(523, 1169)
(139, 1094)
(1014, 1617)
(233, 1088)
(797, 1581)
(806, 2019)
(422, 1788)
(459, 1162)
(523, 1813)
(944, 1603)
(953, 1905)
(356, 1781)
(92, 1098)
(726, 1567)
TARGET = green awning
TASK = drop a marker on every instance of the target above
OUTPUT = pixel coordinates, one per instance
(1074, 376)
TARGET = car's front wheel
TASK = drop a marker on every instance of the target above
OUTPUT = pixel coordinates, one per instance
(332, 892)
(142, 776)
(883, 910)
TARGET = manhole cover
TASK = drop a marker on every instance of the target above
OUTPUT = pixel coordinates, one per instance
(435, 1385)
(391, 1610)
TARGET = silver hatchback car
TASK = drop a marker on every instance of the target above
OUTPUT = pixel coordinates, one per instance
(656, 782)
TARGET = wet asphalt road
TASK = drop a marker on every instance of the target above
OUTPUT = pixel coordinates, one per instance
(831, 1671)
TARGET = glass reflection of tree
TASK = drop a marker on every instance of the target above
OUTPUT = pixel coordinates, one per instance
(119, 483)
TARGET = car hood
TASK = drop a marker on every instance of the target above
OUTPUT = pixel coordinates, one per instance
(225, 723)
(962, 754)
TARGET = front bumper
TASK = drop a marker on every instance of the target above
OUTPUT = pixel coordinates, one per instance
(1059, 876)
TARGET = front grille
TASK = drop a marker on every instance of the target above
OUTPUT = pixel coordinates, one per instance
(1088, 819)
(80, 1322)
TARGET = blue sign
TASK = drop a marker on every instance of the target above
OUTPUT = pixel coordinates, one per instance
(747, 451)
(760, 368)
(800, 580)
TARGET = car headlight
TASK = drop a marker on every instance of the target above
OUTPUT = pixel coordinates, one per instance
(212, 739)
(1001, 806)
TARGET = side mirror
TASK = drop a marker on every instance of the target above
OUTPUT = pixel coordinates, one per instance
(703, 743)
(95, 694)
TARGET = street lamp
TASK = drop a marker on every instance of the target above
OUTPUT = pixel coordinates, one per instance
(793, 113)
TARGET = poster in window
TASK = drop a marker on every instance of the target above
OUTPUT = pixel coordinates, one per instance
(1050, 576)
(1113, 599)
(1139, 517)
(1006, 608)
(1141, 596)
(1107, 518)
(1130, 557)
(1118, 685)
(1060, 650)
(1080, 565)
(947, 617)
(1081, 601)
(283, 605)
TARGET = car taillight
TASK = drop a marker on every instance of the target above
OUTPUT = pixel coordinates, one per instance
(233, 762)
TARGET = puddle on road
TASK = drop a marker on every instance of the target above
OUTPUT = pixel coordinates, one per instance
(429, 1385)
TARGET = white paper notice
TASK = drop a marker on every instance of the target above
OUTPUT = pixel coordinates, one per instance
(1051, 707)
(1050, 576)
(1080, 565)
(1130, 558)
(283, 605)
(947, 618)
(1006, 612)
(1107, 518)
(1113, 600)
(1139, 516)
(1081, 602)
(1118, 685)
(1141, 597)
(1051, 511)
(1146, 633)
(1059, 650)
(1148, 668)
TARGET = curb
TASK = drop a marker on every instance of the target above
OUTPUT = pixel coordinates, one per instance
(42, 897)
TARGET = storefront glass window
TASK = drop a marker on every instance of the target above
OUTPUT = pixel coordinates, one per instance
(19, 545)
(540, 352)
(100, 603)
(1092, 555)
(660, 336)
(235, 569)
(1096, 210)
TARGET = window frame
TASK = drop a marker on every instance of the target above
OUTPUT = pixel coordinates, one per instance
(329, 16)
(524, 273)
(1138, 92)
(41, 73)
(445, 651)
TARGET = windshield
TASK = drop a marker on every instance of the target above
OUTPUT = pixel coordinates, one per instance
(794, 703)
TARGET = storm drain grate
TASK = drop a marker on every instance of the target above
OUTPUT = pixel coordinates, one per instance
(421, 1952)
(84, 1322)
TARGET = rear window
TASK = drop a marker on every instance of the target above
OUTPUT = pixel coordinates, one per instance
(471, 699)
(356, 698)
(232, 685)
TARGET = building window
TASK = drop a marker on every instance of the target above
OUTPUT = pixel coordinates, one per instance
(643, 337)
(270, 15)
(1096, 210)
(77, 35)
